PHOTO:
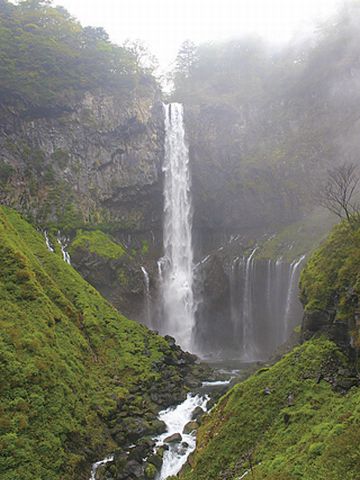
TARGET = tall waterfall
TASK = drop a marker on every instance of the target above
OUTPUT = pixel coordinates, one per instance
(176, 266)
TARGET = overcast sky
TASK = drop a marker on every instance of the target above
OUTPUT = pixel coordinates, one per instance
(165, 24)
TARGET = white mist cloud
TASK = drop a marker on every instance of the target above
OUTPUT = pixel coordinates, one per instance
(165, 24)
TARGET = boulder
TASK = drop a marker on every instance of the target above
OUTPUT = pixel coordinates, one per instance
(190, 427)
(174, 438)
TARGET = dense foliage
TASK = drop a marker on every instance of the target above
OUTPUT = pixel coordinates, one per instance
(285, 422)
(68, 362)
(48, 59)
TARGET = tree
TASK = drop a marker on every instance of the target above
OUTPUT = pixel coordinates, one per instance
(141, 53)
(186, 58)
(339, 193)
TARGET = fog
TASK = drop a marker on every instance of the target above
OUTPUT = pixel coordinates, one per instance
(163, 25)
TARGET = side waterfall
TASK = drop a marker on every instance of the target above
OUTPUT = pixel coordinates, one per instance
(249, 344)
(176, 266)
(147, 296)
(264, 304)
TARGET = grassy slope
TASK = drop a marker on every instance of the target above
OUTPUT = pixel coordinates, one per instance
(66, 359)
(320, 439)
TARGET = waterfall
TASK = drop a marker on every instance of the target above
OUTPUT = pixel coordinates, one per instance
(96, 466)
(290, 294)
(234, 295)
(264, 306)
(47, 241)
(249, 347)
(176, 266)
(147, 296)
(63, 244)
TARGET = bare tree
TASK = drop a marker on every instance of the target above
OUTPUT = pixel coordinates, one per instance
(339, 193)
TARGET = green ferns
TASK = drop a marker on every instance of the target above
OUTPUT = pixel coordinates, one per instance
(302, 430)
(67, 359)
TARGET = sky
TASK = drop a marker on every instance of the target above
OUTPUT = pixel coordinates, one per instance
(164, 24)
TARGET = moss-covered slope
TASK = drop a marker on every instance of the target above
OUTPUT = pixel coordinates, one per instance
(71, 368)
(330, 287)
(306, 427)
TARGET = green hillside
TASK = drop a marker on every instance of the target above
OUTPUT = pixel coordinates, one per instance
(70, 364)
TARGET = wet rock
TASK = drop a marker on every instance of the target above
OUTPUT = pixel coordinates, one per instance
(190, 427)
(345, 383)
(323, 321)
(171, 341)
(174, 438)
(156, 459)
(198, 413)
(134, 469)
(141, 451)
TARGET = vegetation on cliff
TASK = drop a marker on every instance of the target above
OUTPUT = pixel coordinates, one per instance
(48, 59)
(330, 283)
(95, 241)
(77, 378)
(296, 419)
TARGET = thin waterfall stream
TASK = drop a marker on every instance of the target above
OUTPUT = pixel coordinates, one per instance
(147, 296)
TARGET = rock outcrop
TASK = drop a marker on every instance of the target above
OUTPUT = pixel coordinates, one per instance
(96, 162)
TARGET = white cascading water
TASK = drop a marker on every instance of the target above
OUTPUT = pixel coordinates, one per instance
(96, 466)
(175, 420)
(47, 241)
(176, 266)
(264, 304)
(63, 245)
(147, 296)
(290, 296)
(249, 346)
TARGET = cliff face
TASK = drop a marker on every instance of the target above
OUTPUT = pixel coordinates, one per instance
(96, 162)
(231, 171)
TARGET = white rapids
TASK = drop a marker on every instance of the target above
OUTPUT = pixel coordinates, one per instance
(175, 419)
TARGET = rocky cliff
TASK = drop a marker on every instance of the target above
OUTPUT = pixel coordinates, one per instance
(95, 162)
